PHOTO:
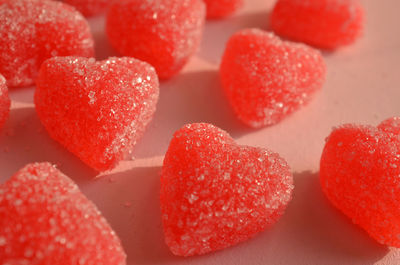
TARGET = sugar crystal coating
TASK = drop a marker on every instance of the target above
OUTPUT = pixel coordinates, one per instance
(32, 31)
(4, 101)
(90, 7)
(222, 8)
(360, 175)
(215, 193)
(97, 110)
(164, 33)
(326, 24)
(265, 78)
(391, 125)
(46, 220)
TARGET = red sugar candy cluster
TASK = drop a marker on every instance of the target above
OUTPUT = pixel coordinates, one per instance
(97, 110)
(4, 101)
(360, 169)
(215, 193)
(32, 31)
(265, 78)
(326, 24)
(222, 8)
(90, 7)
(46, 220)
(164, 33)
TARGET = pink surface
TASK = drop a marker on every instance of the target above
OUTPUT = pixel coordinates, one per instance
(362, 86)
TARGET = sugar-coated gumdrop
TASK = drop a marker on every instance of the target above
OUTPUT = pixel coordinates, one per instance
(4, 101)
(164, 33)
(97, 110)
(215, 193)
(90, 7)
(360, 175)
(45, 219)
(32, 31)
(222, 8)
(326, 24)
(265, 78)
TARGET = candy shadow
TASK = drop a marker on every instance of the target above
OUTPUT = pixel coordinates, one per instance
(23, 140)
(131, 205)
(320, 233)
(102, 46)
(188, 98)
(217, 32)
(22, 94)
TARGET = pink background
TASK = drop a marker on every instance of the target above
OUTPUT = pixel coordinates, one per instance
(362, 86)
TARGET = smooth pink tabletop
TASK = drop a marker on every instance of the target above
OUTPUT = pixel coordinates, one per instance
(363, 86)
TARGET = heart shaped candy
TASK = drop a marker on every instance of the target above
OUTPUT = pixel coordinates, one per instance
(164, 33)
(327, 24)
(360, 175)
(265, 78)
(215, 193)
(46, 220)
(32, 31)
(97, 110)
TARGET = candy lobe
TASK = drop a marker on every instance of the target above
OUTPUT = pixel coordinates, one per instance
(326, 24)
(45, 219)
(97, 110)
(32, 31)
(359, 173)
(265, 79)
(163, 33)
(215, 194)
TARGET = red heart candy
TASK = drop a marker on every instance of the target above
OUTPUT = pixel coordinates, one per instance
(90, 7)
(32, 31)
(265, 78)
(360, 175)
(323, 23)
(215, 193)
(4, 101)
(164, 33)
(45, 219)
(97, 110)
(222, 8)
